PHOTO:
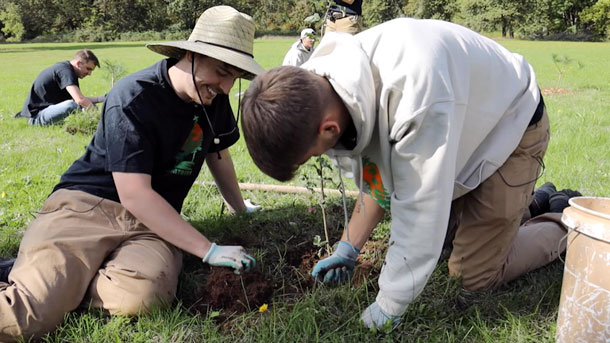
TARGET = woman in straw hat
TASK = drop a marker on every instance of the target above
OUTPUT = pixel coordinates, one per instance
(111, 235)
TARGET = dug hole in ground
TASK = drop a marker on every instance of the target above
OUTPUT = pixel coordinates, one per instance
(284, 270)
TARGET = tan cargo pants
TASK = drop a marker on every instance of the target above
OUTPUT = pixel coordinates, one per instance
(350, 24)
(82, 249)
(492, 246)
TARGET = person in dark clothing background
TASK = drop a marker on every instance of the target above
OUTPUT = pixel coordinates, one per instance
(344, 16)
(55, 92)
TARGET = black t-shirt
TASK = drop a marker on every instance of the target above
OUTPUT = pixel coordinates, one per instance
(146, 128)
(49, 88)
(354, 9)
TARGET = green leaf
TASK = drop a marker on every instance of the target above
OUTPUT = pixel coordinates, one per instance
(314, 18)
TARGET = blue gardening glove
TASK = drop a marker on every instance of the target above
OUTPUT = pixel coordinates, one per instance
(250, 207)
(229, 256)
(375, 317)
(338, 267)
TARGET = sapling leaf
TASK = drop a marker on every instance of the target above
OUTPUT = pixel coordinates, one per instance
(314, 18)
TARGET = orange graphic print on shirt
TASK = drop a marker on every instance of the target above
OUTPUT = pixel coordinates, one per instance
(372, 178)
(186, 157)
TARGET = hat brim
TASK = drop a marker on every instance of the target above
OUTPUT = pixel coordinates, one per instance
(176, 49)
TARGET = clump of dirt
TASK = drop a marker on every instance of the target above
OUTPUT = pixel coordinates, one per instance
(303, 259)
(362, 272)
(370, 261)
(296, 278)
(234, 293)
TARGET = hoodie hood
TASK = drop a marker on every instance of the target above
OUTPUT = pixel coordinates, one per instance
(355, 85)
(353, 82)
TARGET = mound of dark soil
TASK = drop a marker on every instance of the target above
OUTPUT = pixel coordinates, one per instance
(283, 273)
(234, 293)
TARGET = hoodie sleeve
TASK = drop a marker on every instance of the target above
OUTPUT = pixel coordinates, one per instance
(291, 58)
(423, 170)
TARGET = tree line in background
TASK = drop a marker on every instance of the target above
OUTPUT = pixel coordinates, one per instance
(106, 20)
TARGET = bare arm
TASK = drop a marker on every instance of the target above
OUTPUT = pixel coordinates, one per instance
(224, 174)
(363, 221)
(138, 197)
(78, 97)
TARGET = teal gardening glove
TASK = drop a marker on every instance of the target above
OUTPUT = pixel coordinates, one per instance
(339, 267)
(229, 256)
(375, 317)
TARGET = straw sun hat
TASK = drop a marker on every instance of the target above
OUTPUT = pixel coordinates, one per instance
(222, 33)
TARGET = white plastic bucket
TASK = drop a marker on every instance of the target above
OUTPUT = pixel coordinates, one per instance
(584, 307)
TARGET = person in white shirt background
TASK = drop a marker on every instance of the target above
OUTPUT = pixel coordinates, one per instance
(301, 50)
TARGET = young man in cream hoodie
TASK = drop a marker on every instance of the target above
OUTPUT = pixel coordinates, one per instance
(435, 122)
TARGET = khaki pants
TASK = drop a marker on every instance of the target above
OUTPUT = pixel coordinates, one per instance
(82, 247)
(491, 245)
(350, 24)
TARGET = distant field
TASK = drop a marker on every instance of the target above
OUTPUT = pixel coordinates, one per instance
(33, 158)
(578, 106)
(22, 62)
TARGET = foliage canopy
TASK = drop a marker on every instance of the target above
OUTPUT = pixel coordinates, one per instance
(105, 20)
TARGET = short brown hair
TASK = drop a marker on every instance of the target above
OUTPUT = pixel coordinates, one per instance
(85, 56)
(281, 112)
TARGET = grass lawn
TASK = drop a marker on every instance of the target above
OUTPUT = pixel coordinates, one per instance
(282, 237)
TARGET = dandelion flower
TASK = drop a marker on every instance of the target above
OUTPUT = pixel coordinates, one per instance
(263, 308)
